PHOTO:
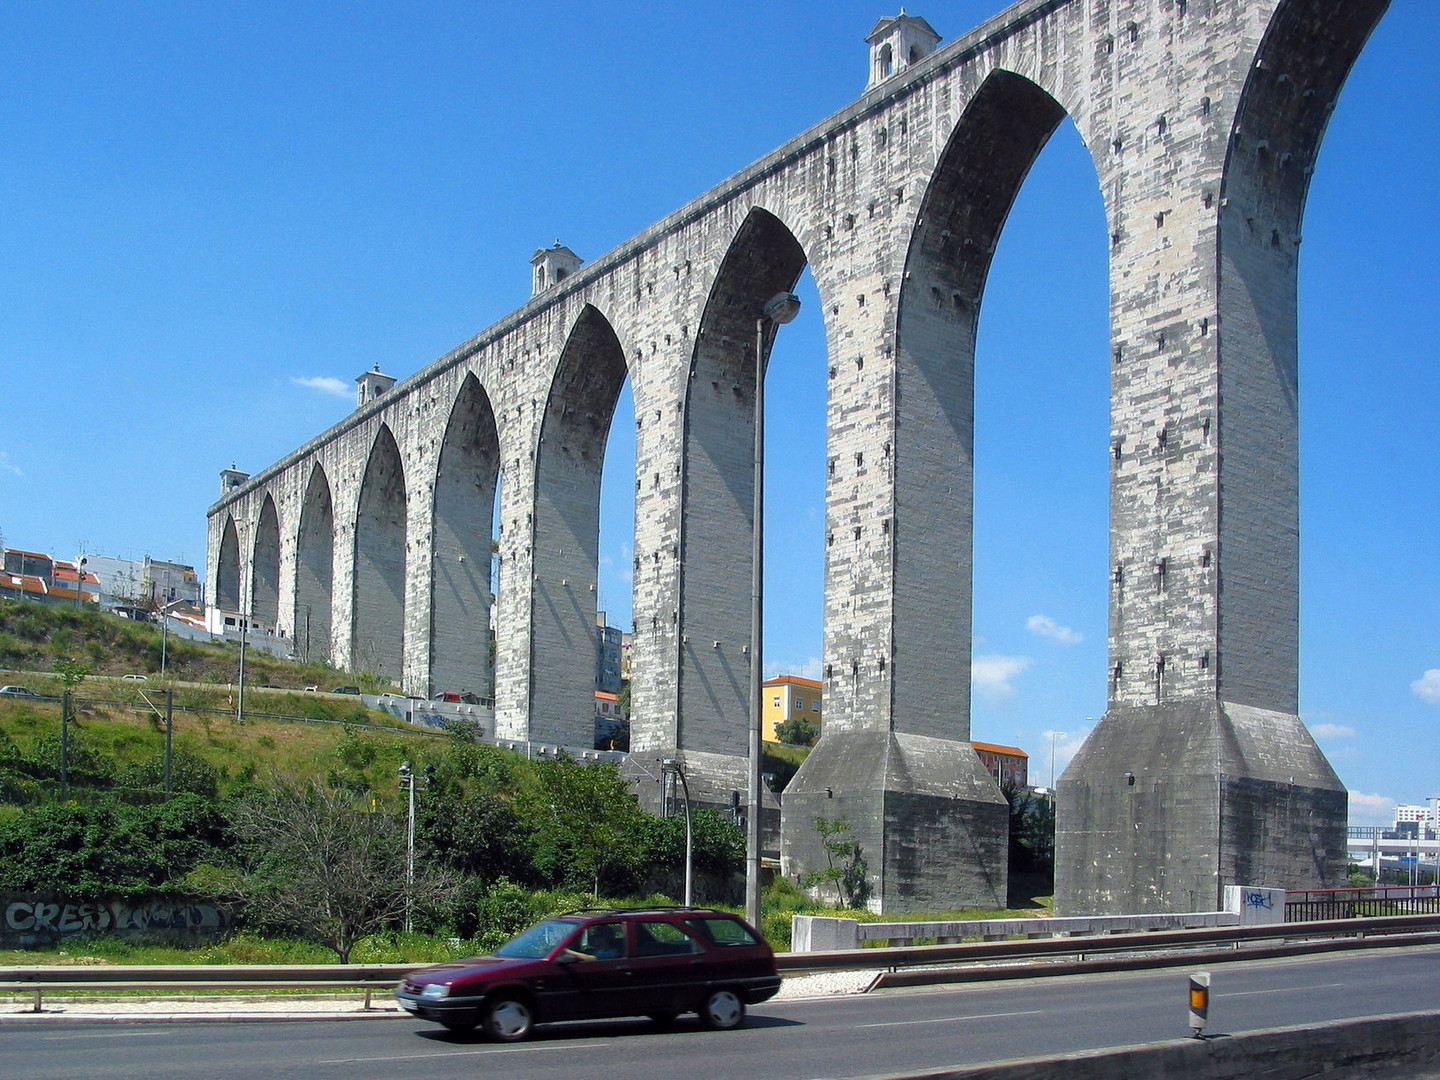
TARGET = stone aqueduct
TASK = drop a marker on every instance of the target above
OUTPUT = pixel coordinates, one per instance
(1203, 119)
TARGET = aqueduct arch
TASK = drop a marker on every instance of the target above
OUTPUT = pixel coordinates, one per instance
(315, 569)
(378, 636)
(565, 531)
(1202, 119)
(465, 485)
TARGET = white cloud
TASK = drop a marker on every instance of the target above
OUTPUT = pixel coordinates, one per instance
(1331, 731)
(1371, 809)
(991, 675)
(1426, 688)
(8, 465)
(1046, 627)
(325, 384)
(805, 669)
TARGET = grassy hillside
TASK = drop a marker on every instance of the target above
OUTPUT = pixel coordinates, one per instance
(117, 737)
(34, 636)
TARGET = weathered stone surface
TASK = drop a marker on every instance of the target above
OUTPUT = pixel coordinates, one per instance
(1166, 805)
(931, 824)
(1203, 119)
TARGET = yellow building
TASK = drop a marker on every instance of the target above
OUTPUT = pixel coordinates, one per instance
(789, 696)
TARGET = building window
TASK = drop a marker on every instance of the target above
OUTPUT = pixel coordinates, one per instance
(799, 703)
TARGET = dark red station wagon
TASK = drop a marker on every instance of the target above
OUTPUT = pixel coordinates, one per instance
(593, 964)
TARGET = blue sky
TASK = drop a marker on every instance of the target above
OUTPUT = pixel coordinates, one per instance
(212, 217)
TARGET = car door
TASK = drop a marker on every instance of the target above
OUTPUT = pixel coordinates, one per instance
(670, 967)
(598, 977)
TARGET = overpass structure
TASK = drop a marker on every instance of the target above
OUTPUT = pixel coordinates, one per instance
(1203, 119)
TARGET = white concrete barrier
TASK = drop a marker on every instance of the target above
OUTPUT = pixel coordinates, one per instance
(815, 933)
(1245, 905)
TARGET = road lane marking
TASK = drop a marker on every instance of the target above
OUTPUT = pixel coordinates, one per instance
(955, 1019)
(1280, 990)
(477, 1052)
(100, 1035)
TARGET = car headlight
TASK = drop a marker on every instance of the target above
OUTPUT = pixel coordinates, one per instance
(435, 990)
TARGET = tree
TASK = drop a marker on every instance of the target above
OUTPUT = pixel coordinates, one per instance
(587, 823)
(797, 731)
(479, 835)
(845, 863)
(108, 848)
(71, 672)
(318, 868)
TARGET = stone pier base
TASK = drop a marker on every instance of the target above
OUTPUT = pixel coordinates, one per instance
(932, 826)
(1166, 805)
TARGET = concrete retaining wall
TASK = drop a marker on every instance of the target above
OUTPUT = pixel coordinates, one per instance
(1403, 1045)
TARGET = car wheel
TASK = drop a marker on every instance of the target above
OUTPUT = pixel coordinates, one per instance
(722, 1010)
(508, 1019)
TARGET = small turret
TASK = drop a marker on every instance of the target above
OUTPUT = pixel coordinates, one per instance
(552, 266)
(371, 385)
(897, 42)
(231, 479)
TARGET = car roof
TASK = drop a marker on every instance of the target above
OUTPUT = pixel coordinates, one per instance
(652, 909)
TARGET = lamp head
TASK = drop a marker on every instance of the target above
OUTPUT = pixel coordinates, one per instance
(781, 308)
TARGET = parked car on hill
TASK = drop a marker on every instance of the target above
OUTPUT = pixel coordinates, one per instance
(19, 692)
(464, 696)
(346, 690)
(602, 963)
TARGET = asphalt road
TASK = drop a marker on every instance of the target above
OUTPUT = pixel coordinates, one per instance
(795, 1040)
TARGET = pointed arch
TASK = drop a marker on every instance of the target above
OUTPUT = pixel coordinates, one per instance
(1305, 56)
(378, 635)
(565, 532)
(227, 569)
(465, 484)
(315, 570)
(1003, 129)
(717, 507)
(265, 568)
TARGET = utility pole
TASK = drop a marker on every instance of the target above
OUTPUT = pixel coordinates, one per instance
(64, 744)
(169, 733)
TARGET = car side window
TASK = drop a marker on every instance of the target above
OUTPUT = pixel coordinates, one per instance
(601, 941)
(722, 931)
(655, 937)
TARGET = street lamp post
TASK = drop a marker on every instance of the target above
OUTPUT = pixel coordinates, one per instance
(407, 785)
(1053, 736)
(245, 607)
(780, 309)
(676, 768)
(165, 629)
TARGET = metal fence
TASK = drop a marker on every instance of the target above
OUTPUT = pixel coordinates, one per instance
(1305, 905)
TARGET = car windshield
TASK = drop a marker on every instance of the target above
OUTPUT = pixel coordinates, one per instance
(538, 941)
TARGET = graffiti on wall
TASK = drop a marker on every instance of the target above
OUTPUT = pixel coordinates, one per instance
(32, 919)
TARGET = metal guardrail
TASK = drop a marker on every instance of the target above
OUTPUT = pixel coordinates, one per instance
(1340, 933)
(39, 980)
(1302, 905)
(978, 952)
